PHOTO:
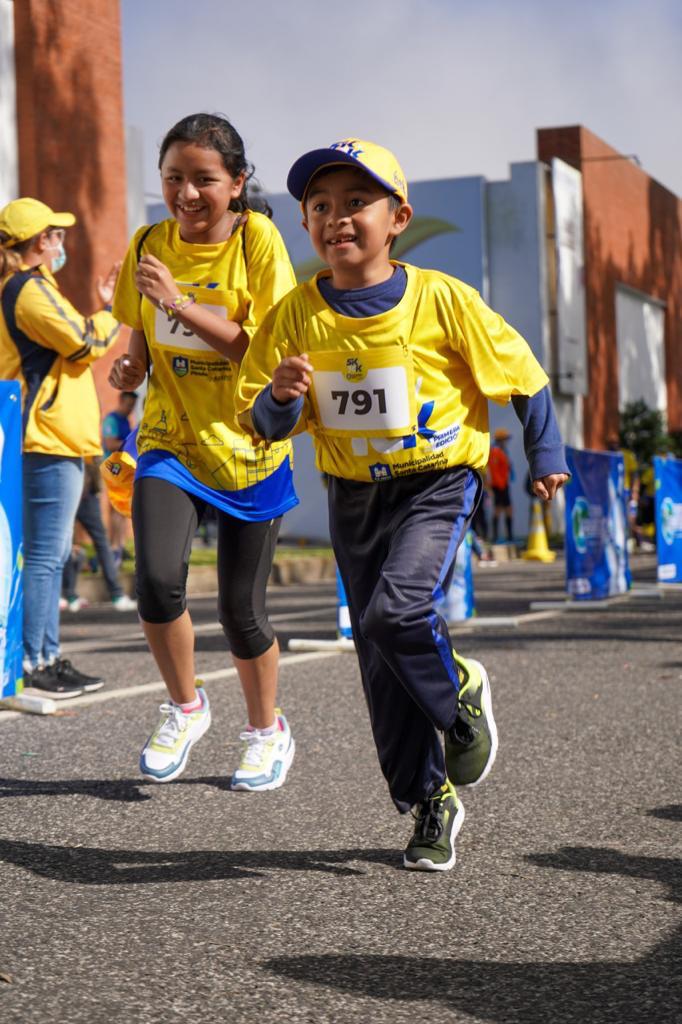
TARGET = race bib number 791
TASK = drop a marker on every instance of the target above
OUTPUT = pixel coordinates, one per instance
(368, 392)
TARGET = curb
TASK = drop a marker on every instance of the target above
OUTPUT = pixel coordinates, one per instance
(202, 579)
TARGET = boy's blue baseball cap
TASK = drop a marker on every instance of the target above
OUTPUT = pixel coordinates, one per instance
(375, 160)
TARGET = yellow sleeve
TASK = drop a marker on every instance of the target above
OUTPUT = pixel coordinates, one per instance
(127, 299)
(268, 267)
(48, 318)
(500, 360)
(275, 339)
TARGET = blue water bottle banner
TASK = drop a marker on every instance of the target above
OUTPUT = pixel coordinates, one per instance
(11, 551)
(668, 498)
(596, 531)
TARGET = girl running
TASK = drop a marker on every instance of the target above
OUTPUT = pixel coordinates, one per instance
(193, 289)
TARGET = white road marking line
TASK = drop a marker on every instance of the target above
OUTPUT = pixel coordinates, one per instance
(158, 684)
(9, 716)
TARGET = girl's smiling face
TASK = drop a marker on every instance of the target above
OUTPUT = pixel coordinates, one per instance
(198, 190)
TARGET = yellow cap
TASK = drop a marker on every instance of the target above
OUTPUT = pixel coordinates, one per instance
(118, 473)
(23, 218)
(378, 162)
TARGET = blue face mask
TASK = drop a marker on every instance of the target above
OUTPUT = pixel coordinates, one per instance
(59, 260)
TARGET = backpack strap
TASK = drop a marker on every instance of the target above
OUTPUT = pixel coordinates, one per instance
(36, 360)
(142, 239)
(10, 296)
(138, 251)
(246, 261)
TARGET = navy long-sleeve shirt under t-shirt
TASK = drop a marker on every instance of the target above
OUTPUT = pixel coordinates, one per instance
(541, 438)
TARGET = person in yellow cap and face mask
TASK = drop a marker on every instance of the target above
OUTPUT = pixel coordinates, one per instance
(47, 345)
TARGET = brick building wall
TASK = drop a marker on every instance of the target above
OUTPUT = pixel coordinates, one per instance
(71, 135)
(632, 228)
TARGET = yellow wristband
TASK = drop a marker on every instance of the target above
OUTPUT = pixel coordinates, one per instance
(180, 302)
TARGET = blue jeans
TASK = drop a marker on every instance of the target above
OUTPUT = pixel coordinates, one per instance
(89, 515)
(52, 490)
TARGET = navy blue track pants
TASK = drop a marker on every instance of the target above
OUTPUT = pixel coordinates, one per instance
(395, 543)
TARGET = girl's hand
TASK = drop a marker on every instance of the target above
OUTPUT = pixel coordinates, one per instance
(291, 378)
(547, 486)
(154, 280)
(105, 285)
(127, 373)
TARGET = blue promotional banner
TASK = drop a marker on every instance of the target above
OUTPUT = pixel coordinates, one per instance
(11, 540)
(596, 526)
(668, 498)
(458, 604)
(343, 626)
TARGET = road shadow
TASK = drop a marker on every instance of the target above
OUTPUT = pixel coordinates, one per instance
(673, 812)
(121, 790)
(604, 992)
(93, 866)
(604, 861)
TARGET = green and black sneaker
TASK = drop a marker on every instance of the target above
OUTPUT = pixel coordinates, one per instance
(471, 743)
(437, 822)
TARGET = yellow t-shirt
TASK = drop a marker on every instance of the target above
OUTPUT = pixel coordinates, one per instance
(50, 352)
(401, 392)
(630, 467)
(189, 408)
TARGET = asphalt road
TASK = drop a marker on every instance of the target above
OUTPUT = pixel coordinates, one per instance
(128, 902)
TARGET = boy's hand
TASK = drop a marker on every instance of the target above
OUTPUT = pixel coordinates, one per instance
(127, 373)
(291, 379)
(547, 486)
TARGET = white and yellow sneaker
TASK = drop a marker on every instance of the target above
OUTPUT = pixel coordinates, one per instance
(266, 758)
(165, 753)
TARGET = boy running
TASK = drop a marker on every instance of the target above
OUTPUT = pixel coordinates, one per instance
(390, 367)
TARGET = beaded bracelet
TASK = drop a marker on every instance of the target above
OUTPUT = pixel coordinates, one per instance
(180, 302)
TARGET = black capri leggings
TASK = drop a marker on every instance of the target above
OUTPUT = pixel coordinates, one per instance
(165, 519)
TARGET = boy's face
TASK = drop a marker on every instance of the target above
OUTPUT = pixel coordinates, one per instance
(351, 225)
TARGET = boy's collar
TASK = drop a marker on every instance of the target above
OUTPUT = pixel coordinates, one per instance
(327, 274)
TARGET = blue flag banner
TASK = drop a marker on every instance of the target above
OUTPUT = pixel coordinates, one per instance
(668, 498)
(596, 531)
(11, 540)
(458, 603)
(343, 626)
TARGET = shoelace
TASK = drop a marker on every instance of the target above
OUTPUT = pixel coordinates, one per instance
(254, 749)
(471, 708)
(175, 723)
(429, 817)
(462, 731)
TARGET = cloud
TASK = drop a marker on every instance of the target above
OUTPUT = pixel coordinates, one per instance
(455, 88)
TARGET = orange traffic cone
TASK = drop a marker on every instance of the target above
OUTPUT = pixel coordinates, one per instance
(537, 549)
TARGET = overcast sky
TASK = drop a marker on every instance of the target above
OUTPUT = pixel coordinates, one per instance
(454, 87)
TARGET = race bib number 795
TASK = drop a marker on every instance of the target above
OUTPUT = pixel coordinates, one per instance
(173, 334)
